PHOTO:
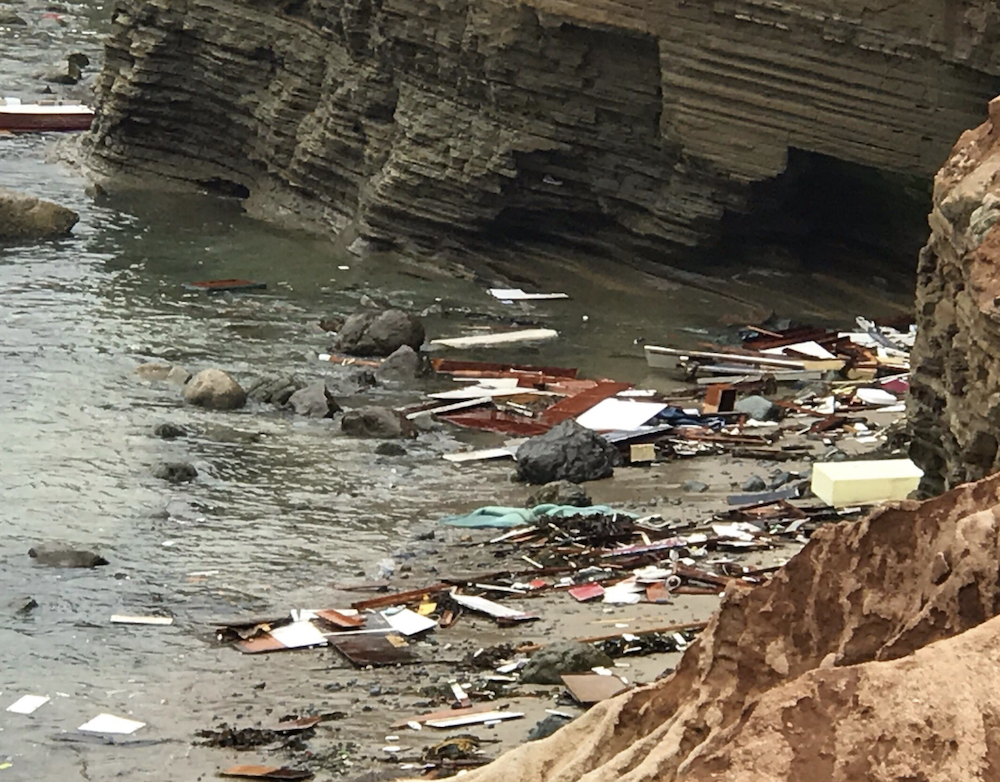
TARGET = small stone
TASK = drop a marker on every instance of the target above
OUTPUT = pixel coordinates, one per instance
(23, 605)
(401, 365)
(754, 483)
(779, 479)
(169, 431)
(547, 726)
(697, 487)
(175, 472)
(215, 390)
(390, 449)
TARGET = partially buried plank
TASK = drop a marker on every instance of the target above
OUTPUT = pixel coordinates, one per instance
(445, 714)
(587, 688)
(266, 772)
(375, 650)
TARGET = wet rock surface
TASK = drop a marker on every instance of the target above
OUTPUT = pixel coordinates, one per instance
(375, 422)
(314, 401)
(547, 665)
(175, 472)
(559, 493)
(56, 555)
(214, 389)
(274, 389)
(401, 365)
(379, 333)
(163, 373)
(169, 431)
(24, 217)
(567, 452)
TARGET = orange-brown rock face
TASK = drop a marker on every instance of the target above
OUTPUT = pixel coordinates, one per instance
(474, 122)
(955, 388)
(869, 657)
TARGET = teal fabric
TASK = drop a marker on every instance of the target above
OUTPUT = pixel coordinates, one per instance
(504, 517)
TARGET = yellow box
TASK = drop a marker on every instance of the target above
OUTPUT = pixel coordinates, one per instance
(860, 483)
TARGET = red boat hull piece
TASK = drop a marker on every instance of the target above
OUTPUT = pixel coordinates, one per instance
(34, 123)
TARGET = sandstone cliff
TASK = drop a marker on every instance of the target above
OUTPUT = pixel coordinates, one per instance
(871, 656)
(472, 123)
(955, 386)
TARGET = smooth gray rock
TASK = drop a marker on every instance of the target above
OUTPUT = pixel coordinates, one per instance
(549, 663)
(401, 365)
(56, 555)
(169, 431)
(314, 401)
(559, 493)
(569, 452)
(698, 487)
(758, 408)
(175, 472)
(274, 389)
(351, 381)
(163, 373)
(379, 333)
(375, 422)
(26, 217)
(754, 483)
(215, 390)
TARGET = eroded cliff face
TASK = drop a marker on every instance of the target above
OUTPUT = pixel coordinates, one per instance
(954, 407)
(869, 656)
(471, 123)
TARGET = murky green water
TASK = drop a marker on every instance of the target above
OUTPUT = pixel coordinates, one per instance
(282, 506)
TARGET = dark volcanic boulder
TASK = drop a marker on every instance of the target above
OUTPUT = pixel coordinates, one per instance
(376, 422)
(314, 401)
(379, 333)
(274, 389)
(568, 452)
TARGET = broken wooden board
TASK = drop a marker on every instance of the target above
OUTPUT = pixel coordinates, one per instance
(266, 772)
(444, 714)
(588, 688)
(474, 719)
(377, 651)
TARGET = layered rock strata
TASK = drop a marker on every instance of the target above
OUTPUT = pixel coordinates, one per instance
(638, 123)
(954, 406)
(869, 656)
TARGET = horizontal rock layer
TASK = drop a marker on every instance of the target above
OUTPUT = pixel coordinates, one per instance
(857, 661)
(475, 123)
(954, 405)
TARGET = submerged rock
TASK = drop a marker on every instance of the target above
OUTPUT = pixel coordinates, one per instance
(26, 217)
(163, 373)
(56, 555)
(10, 19)
(549, 663)
(314, 401)
(390, 449)
(560, 493)
(379, 333)
(22, 606)
(274, 389)
(569, 452)
(376, 422)
(169, 431)
(175, 472)
(215, 390)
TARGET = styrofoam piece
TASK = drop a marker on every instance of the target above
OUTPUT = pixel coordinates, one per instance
(407, 622)
(516, 294)
(109, 723)
(475, 719)
(299, 635)
(131, 619)
(27, 704)
(502, 338)
(876, 396)
(612, 415)
(851, 483)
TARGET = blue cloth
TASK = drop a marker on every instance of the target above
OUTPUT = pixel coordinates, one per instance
(504, 517)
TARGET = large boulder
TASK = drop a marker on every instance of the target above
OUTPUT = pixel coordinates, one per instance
(568, 452)
(549, 663)
(376, 422)
(215, 390)
(379, 333)
(274, 389)
(314, 401)
(26, 217)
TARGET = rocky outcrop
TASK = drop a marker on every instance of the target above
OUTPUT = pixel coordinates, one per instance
(626, 126)
(954, 406)
(858, 660)
(24, 217)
